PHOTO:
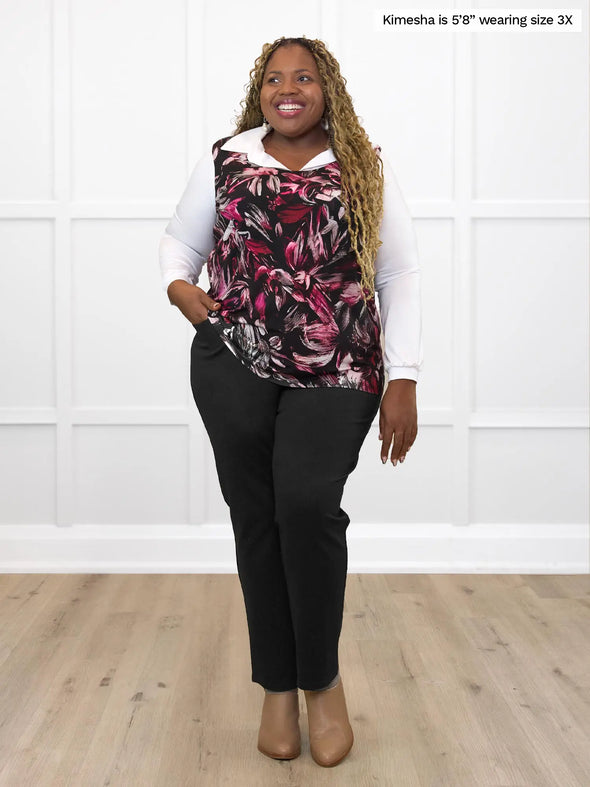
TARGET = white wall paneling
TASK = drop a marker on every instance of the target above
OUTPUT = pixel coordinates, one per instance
(28, 473)
(105, 463)
(133, 474)
(27, 330)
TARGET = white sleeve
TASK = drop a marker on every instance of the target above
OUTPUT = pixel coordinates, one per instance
(188, 239)
(397, 282)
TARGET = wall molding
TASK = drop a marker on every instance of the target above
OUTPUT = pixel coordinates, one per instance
(488, 548)
(542, 418)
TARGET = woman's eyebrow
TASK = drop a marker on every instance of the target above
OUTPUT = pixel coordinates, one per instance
(297, 71)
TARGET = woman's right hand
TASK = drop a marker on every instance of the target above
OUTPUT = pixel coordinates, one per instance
(192, 301)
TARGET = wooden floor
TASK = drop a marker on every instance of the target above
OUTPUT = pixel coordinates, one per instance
(141, 680)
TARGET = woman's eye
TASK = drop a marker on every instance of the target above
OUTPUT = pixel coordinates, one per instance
(303, 76)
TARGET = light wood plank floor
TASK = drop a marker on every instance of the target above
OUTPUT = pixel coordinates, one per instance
(144, 680)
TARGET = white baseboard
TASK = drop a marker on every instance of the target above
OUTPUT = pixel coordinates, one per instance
(437, 548)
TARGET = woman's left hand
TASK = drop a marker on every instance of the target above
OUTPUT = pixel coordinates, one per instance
(398, 419)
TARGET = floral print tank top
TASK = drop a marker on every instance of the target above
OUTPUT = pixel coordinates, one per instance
(288, 282)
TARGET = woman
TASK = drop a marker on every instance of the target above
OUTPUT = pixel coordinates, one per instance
(287, 365)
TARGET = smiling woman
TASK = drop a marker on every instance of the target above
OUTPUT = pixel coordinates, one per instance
(300, 220)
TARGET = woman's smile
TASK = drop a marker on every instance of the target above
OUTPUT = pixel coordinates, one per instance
(289, 108)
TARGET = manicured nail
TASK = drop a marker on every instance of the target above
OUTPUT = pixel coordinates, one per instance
(394, 462)
(383, 459)
(401, 459)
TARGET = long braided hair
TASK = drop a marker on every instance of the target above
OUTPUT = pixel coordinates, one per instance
(360, 167)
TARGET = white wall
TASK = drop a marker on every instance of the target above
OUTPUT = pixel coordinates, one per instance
(104, 461)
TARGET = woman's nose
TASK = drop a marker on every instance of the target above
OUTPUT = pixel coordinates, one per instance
(288, 88)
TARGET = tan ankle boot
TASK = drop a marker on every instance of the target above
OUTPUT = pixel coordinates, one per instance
(279, 736)
(330, 733)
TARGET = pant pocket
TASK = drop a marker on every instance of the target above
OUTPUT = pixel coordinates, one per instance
(206, 341)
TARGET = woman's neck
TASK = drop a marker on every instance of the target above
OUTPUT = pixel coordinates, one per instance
(315, 139)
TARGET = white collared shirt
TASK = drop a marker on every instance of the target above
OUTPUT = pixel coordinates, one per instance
(188, 240)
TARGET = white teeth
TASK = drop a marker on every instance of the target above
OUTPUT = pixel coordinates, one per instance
(289, 107)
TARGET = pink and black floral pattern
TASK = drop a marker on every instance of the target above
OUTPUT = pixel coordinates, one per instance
(286, 277)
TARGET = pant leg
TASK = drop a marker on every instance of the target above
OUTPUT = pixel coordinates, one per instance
(238, 409)
(318, 436)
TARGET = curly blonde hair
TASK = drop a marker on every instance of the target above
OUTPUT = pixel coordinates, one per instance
(361, 167)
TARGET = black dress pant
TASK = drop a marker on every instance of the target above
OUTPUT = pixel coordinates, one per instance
(283, 456)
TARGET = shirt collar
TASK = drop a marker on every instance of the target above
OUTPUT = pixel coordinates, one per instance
(250, 142)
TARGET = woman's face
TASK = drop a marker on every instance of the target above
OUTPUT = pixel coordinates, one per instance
(291, 96)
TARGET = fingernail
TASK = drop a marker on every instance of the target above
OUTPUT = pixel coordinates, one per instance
(394, 462)
(402, 458)
(383, 459)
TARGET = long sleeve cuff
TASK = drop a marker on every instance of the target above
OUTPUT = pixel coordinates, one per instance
(402, 373)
